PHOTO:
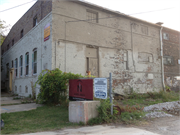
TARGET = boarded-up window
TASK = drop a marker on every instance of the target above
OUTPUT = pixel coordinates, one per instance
(92, 16)
(168, 60)
(92, 61)
(144, 57)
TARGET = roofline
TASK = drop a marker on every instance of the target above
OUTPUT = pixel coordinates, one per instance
(18, 21)
(118, 13)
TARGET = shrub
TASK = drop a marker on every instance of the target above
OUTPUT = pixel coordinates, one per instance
(53, 86)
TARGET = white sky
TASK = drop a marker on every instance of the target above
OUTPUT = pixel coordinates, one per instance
(170, 17)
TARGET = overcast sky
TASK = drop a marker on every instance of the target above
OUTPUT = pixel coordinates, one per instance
(168, 10)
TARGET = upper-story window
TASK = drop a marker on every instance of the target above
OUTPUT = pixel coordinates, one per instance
(8, 47)
(16, 67)
(34, 61)
(22, 33)
(12, 42)
(35, 21)
(168, 60)
(27, 63)
(92, 16)
(21, 65)
(166, 36)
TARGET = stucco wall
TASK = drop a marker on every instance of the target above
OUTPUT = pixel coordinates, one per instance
(33, 39)
(112, 37)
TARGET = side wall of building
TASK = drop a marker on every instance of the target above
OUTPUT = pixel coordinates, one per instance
(39, 10)
(171, 44)
(22, 85)
(127, 48)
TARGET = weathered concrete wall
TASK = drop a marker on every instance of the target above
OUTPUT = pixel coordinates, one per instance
(128, 48)
(33, 39)
(82, 111)
(171, 50)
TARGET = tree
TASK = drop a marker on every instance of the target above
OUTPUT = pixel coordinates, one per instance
(3, 28)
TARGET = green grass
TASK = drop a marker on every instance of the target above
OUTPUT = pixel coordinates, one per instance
(151, 98)
(42, 119)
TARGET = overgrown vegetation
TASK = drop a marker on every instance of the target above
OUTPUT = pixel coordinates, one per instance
(104, 113)
(53, 86)
(41, 119)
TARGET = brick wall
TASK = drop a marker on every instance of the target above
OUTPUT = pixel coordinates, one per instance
(172, 48)
(25, 23)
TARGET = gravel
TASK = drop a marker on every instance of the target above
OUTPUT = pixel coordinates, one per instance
(156, 111)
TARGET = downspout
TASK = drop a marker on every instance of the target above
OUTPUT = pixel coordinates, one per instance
(162, 64)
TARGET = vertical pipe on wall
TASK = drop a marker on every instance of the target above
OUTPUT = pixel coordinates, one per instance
(162, 64)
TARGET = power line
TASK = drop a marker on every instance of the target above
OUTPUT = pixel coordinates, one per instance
(16, 6)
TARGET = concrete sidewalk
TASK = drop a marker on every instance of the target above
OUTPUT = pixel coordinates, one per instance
(98, 130)
(19, 108)
(9, 100)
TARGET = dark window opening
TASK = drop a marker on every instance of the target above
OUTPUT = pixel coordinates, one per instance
(7, 70)
(27, 63)
(35, 21)
(16, 67)
(21, 65)
(8, 47)
(34, 61)
(12, 63)
(22, 34)
(12, 42)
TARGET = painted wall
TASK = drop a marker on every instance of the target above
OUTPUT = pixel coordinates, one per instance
(33, 39)
(128, 48)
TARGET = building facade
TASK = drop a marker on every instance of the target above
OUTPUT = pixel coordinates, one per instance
(76, 37)
(171, 46)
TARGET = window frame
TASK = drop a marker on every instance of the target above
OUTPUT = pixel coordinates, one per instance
(27, 63)
(21, 66)
(34, 61)
(16, 67)
(88, 12)
(165, 37)
(35, 21)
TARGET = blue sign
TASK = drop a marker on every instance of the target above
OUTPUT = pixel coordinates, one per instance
(100, 88)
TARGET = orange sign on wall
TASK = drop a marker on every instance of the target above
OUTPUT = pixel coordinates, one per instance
(47, 29)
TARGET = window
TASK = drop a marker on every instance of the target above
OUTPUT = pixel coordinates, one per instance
(7, 70)
(8, 47)
(34, 61)
(21, 65)
(12, 42)
(92, 16)
(27, 63)
(168, 60)
(20, 89)
(22, 34)
(166, 36)
(12, 63)
(35, 21)
(16, 66)
(26, 89)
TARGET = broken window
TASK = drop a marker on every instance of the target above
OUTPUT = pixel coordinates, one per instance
(168, 60)
(22, 33)
(21, 65)
(27, 63)
(34, 61)
(166, 36)
(92, 16)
